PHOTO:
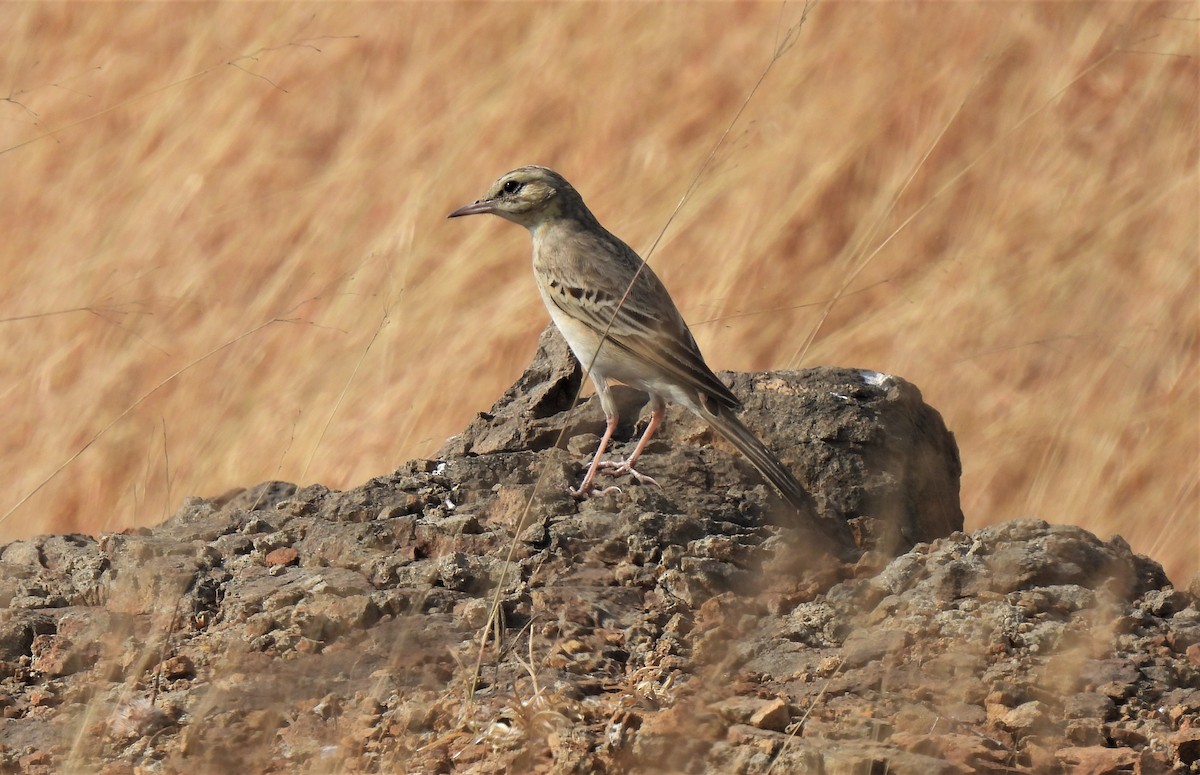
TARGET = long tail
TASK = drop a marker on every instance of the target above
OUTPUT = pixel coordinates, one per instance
(732, 430)
(726, 423)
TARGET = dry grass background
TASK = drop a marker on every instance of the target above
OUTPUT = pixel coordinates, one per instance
(238, 212)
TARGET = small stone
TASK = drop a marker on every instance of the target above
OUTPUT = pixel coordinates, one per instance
(1089, 705)
(178, 667)
(1005, 696)
(41, 698)
(742, 734)
(283, 556)
(1165, 602)
(828, 666)
(473, 612)
(136, 718)
(774, 716)
(328, 707)
(1085, 733)
(994, 712)
(296, 508)
(55, 655)
(1115, 678)
(35, 759)
(738, 710)
(256, 525)
(309, 646)
(1176, 714)
(1098, 759)
(1025, 718)
(1185, 744)
(1127, 737)
(410, 503)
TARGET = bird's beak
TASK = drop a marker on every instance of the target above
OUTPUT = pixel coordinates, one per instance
(476, 207)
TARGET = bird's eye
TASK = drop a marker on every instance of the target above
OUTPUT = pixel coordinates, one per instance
(511, 187)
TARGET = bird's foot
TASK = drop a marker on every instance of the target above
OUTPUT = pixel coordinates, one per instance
(592, 491)
(619, 469)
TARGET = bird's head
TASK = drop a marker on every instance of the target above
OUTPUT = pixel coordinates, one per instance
(529, 196)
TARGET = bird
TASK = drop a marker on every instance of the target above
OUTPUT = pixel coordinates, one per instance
(621, 324)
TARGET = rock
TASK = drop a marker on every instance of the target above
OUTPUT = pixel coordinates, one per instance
(872, 453)
(659, 628)
(1089, 705)
(1185, 745)
(283, 556)
(774, 716)
(1025, 719)
(1098, 760)
(35, 760)
(1113, 678)
(1086, 733)
(42, 697)
(178, 667)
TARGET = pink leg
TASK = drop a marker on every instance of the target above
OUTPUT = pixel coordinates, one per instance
(587, 487)
(626, 467)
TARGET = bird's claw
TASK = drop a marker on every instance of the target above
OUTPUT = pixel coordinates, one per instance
(593, 491)
(618, 469)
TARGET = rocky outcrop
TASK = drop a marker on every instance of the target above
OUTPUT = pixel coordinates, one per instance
(871, 452)
(672, 628)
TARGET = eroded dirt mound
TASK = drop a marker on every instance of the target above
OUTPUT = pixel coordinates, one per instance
(656, 629)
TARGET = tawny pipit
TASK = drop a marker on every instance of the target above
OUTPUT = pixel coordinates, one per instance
(619, 320)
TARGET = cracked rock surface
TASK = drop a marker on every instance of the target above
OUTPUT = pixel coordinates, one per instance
(673, 628)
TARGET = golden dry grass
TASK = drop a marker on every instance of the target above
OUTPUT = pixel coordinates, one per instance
(1002, 199)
